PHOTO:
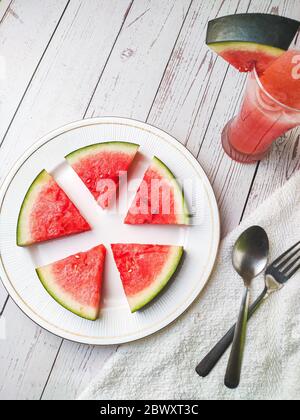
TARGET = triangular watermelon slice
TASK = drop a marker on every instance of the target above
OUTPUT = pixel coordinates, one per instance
(75, 282)
(47, 213)
(251, 40)
(159, 199)
(145, 270)
(100, 165)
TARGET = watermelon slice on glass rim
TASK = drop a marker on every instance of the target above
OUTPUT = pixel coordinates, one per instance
(145, 270)
(159, 199)
(75, 282)
(100, 165)
(253, 39)
(47, 213)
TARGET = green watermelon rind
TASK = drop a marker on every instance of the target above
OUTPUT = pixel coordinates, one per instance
(23, 235)
(118, 146)
(237, 46)
(183, 214)
(146, 296)
(45, 278)
(42, 178)
(257, 28)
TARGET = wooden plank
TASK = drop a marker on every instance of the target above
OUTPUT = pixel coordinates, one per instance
(66, 76)
(60, 91)
(133, 74)
(70, 384)
(150, 31)
(161, 115)
(59, 376)
(74, 369)
(25, 30)
(4, 5)
(45, 91)
(282, 163)
(196, 75)
(193, 78)
(24, 362)
(232, 180)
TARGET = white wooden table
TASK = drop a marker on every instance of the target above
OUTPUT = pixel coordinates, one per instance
(64, 60)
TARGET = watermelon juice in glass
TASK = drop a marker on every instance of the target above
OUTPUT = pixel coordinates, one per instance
(271, 107)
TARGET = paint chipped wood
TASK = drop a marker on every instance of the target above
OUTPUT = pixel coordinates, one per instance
(147, 60)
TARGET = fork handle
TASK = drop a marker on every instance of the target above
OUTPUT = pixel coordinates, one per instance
(209, 362)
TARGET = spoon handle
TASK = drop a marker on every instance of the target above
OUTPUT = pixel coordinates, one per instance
(233, 373)
(211, 359)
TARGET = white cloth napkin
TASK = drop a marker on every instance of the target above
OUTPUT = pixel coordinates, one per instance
(162, 366)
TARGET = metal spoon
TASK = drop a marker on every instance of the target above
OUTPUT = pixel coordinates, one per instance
(250, 258)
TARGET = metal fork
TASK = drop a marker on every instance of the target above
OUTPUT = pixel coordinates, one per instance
(277, 274)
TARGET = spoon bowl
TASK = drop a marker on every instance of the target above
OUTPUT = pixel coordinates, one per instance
(250, 253)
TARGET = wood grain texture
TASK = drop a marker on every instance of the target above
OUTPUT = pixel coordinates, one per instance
(190, 96)
(122, 91)
(4, 5)
(66, 78)
(168, 101)
(193, 77)
(134, 71)
(145, 60)
(75, 367)
(25, 30)
(52, 79)
(281, 164)
(232, 180)
(26, 355)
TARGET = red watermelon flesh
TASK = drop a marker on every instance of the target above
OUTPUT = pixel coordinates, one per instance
(75, 282)
(251, 56)
(159, 199)
(282, 79)
(99, 166)
(47, 213)
(145, 270)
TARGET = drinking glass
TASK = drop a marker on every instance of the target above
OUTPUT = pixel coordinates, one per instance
(248, 137)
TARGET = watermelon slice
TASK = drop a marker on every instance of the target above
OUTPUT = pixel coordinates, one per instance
(159, 199)
(47, 213)
(248, 40)
(282, 79)
(75, 282)
(100, 165)
(145, 270)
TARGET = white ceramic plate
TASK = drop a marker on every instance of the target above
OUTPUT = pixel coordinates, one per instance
(116, 324)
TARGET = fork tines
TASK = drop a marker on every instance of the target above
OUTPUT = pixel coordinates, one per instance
(287, 262)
